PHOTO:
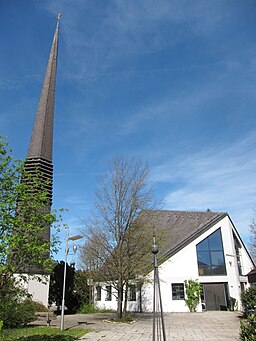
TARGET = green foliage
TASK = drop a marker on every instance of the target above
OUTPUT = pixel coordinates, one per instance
(124, 319)
(24, 214)
(39, 307)
(90, 308)
(81, 288)
(193, 294)
(248, 298)
(23, 218)
(248, 329)
(43, 334)
(56, 286)
(15, 313)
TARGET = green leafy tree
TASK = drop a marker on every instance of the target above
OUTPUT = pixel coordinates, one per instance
(81, 287)
(193, 294)
(56, 287)
(22, 222)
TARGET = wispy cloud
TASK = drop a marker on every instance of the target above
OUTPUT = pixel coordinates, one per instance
(222, 180)
(75, 200)
(120, 30)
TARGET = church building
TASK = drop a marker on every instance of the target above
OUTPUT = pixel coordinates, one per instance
(202, 246)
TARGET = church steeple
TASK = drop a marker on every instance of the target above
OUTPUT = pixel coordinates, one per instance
(39, 156)
(42, 135)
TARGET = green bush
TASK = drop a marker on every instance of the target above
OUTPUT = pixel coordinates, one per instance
(89, 308)
(248, 329)
(39, 307)
(17, 314)
(248, 298)
(193, 294)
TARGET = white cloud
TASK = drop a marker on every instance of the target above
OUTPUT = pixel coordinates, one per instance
(97, 37)
(222, 180)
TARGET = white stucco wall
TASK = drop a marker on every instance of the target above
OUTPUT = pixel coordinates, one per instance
(183, 266)
(112, 304)
(38, 289)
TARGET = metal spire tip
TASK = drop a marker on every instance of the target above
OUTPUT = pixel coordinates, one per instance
(58, 20)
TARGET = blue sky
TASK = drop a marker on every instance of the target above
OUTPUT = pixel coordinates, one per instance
(169, 82)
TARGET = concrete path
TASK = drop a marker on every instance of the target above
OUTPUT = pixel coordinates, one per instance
(207, 326)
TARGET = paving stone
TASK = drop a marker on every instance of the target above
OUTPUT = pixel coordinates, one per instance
(207, 326)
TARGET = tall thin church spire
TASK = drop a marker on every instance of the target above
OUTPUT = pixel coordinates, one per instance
(42, 135)
(39, 156)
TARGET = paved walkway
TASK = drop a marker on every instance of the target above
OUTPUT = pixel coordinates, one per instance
(207, 326)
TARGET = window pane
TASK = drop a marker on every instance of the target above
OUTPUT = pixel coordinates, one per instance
(215, 241)
(203, 258)
(108, 293)
(98, 293)
(217, 258)
(132, 292)
(203, 246)
(218, 264)
(178, 291)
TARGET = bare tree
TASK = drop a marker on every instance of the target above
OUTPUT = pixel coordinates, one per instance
(115, 244)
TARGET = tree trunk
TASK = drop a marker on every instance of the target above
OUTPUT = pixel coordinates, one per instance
(125, 299)
(120, 299)
(140, 298)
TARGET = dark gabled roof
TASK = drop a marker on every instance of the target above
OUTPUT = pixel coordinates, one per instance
(176, 229)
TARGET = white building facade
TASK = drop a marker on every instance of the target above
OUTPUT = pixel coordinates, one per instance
(212, 253)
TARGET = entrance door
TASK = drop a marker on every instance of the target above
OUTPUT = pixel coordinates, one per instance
(215, 296)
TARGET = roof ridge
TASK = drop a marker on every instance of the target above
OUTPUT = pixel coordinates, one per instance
(185, 211)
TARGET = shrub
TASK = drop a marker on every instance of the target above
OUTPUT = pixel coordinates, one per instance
(39, 307)
(89, 308)
(193, 294)
(248, 329)
(248, 298)
(17, 314)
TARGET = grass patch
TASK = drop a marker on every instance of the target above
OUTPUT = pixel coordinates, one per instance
(125, 319)
(41, 334)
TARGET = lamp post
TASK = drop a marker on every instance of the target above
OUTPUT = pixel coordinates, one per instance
(158, 321)
(65, 273)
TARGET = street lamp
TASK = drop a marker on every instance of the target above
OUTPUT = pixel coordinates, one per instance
(157, 300)
(73, 238)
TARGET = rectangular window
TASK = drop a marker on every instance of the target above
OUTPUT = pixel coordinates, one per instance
(238, 255)
(178, 291)
(98, 293)
(108, 293)
(132, 292)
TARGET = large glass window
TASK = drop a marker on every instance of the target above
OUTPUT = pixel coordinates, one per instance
(210, 256)
(178, 291)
